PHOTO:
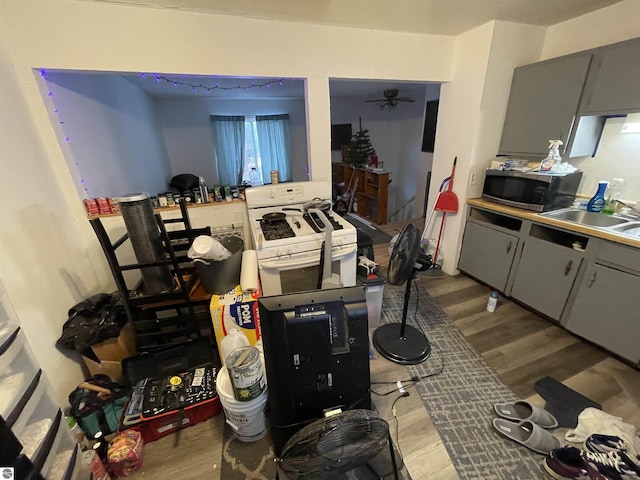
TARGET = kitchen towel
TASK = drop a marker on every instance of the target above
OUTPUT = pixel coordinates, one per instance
(249, 272)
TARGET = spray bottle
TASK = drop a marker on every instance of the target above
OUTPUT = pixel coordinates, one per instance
(553, 157)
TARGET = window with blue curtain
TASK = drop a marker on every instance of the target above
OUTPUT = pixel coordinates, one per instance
(243, 143)
(229, 144)
(274, 141)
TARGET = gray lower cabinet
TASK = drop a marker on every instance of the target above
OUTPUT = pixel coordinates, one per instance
(545, 274)
(487, 254)
(606, 311)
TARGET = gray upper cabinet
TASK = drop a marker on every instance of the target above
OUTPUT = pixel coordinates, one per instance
(487, 254)
(545, 275)
(543, 103)
(605, 311)
(616, 79)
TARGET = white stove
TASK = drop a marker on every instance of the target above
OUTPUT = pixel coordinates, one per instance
(288, 238)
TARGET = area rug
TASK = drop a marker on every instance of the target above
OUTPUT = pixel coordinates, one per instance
(460, 400)
(377, 235)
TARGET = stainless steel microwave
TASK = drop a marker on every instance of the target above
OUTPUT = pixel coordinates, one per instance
(531, 191)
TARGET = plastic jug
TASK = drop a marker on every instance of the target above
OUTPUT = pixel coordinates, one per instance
(232, 341)
(597, 202)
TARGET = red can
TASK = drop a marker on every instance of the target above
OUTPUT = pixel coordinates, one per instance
(91, 205)
(103, 205)
(115, 208)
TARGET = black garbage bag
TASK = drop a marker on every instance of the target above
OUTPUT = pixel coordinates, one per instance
(92, 321)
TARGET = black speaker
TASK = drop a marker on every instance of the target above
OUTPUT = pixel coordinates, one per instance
(340, 135)
(430, 123)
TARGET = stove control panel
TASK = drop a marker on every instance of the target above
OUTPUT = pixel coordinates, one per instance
(289, 193)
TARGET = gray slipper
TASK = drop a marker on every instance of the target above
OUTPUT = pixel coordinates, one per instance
(522, 410)
(528, 434)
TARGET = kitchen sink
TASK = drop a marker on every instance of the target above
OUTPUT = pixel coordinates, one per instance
(630, 228)
(583, 217)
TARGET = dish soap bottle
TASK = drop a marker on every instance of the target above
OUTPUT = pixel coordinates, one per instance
(553, 157)
(597, 202)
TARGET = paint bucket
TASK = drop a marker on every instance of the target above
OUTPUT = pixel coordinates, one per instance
(245, 418)
(245, 372)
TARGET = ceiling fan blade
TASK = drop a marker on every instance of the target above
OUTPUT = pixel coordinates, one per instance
(378, 100)
(404, 99)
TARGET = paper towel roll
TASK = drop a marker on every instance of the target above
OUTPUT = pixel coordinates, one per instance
(249, 271)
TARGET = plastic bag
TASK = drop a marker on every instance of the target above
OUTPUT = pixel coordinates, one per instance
(92, 321)
(591, 420)
(208, 248)
(125, 452)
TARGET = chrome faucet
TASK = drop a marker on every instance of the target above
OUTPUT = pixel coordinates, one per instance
(631, 207)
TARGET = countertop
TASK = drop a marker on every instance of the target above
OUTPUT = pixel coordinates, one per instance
(174, 208)
(536, 217)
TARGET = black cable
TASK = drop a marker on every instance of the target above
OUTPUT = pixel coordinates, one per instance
(414, 380)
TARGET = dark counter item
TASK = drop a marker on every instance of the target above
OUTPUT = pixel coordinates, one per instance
(220, 277)
(562, 402)
(184, 181)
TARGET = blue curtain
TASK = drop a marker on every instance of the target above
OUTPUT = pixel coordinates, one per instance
(228, 141)
(275, 146)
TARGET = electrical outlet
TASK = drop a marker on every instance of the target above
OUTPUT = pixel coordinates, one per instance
(473, 178)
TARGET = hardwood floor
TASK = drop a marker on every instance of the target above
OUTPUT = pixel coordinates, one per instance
(519, 344)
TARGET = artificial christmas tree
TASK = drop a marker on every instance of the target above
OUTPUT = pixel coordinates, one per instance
(360, 149)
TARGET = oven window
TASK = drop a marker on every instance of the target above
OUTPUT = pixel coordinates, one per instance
(303, 279)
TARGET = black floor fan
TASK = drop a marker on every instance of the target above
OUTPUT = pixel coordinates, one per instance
(399, 342)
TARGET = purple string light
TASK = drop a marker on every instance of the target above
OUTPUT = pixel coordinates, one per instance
(216, 86)
(56, 111)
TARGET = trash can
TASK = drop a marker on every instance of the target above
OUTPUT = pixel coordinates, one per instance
(374, 288)
(219, 277)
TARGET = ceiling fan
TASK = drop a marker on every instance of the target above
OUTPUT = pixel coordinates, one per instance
(390, 100)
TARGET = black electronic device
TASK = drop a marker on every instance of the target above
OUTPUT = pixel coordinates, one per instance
(166, 395)
(316, 351)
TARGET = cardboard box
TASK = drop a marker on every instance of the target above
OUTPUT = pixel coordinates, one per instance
(105, 358)
(236, 309)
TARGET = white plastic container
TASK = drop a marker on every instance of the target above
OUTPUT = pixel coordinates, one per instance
(492, 302)
(247, 419)
(232, 341)
(373, 295)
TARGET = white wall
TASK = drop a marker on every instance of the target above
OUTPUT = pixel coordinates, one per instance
(618, 156)
(608, 25)
(47, 266)
(471, 114)
(109, 125)
(186, 128)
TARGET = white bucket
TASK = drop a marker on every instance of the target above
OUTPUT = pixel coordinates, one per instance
(245, 418)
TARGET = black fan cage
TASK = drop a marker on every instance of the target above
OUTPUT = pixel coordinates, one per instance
(335, 444)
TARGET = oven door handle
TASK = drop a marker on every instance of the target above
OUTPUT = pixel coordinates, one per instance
(336, 254)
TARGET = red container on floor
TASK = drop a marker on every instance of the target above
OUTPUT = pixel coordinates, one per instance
(157, 428)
